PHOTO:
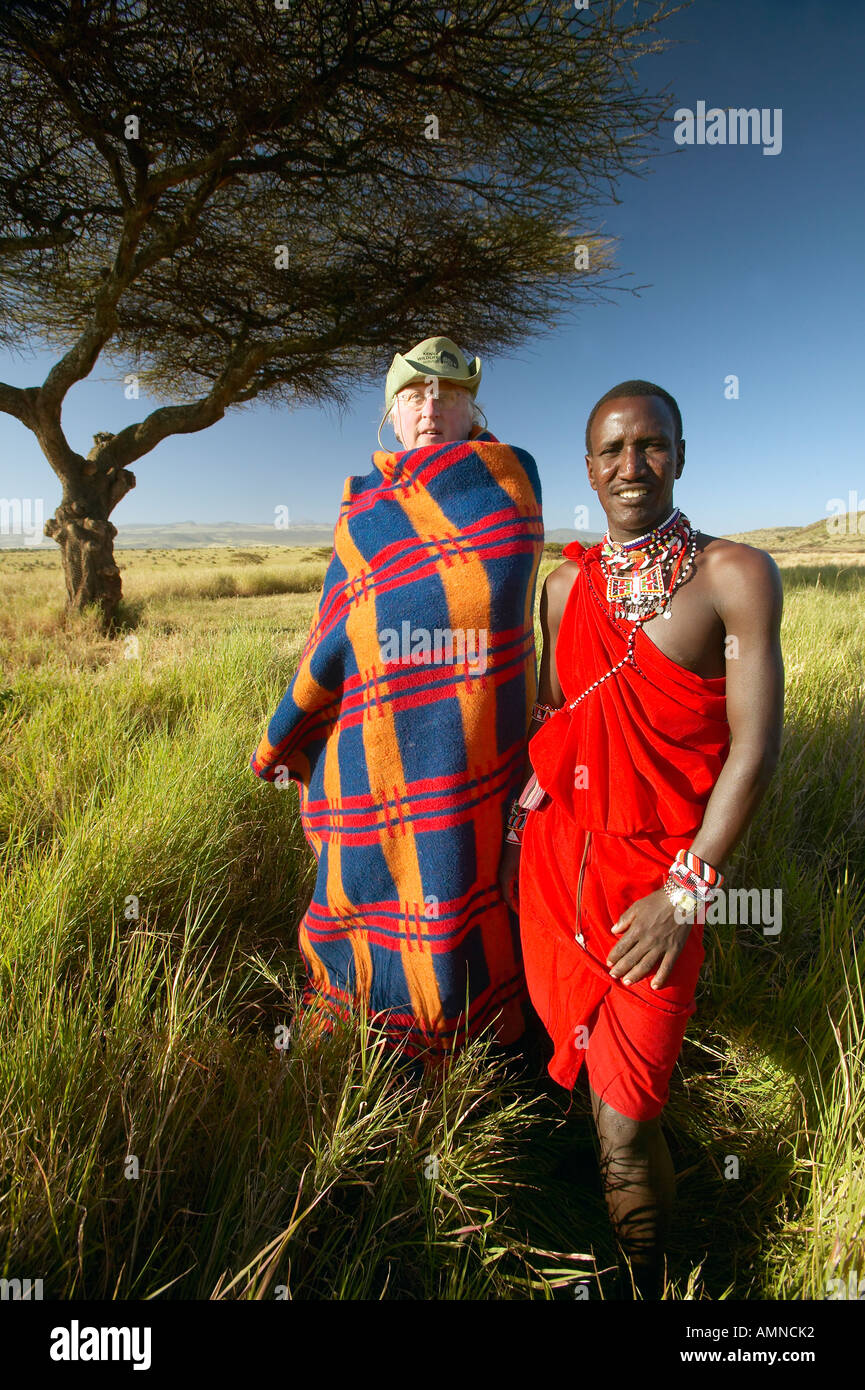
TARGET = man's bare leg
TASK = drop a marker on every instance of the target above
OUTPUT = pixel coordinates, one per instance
(640, 1187)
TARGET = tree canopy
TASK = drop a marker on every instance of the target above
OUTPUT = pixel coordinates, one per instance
(267, 198)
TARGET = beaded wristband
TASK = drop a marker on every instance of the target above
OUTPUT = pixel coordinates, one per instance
(690, 881)
(541, 713)
(530, 798)
(517, 817)
(695, 874)
(683, 899)
(698, 866)
(532, 795)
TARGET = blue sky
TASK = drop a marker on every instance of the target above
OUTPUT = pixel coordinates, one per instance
(755, 268)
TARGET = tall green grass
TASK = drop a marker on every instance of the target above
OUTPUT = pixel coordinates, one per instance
(157, 1142)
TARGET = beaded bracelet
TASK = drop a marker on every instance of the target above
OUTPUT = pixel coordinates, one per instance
(530, 798)
(698, 866)
(541, 713)
(683, 899)
(691, 882)
(695, 875)
(517, 817)
(532, 795)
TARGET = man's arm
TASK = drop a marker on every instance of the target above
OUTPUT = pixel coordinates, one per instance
(554, 595)
(748, 598)
(749, 604)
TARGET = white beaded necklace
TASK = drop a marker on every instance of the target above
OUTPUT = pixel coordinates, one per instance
(634, 570)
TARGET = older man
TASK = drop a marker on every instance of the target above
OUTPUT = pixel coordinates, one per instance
(661, 692)
(429, 410)
(404, 725)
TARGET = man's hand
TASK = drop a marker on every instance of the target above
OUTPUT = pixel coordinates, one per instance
(509, 872)
(651, 934)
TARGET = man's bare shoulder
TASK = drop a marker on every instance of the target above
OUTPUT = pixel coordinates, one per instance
(734, 569)
(562, 577)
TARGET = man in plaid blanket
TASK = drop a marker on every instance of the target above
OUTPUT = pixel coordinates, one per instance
(404, 725)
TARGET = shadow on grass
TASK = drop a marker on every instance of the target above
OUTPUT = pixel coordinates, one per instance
(128, 616)
(720, 1225)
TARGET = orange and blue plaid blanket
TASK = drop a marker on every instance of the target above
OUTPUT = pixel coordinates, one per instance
(404, 729)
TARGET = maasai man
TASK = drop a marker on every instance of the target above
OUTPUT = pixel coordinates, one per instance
(657, 729)
(404, 726)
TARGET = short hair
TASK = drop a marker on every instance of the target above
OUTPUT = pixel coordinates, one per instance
(634, 388)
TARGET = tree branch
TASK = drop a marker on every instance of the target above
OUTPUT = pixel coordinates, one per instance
(17, 245)
(81, 358)
(128, 266)
(140, 438)
(16, 401)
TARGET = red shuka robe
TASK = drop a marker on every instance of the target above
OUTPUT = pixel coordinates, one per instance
(629, 772)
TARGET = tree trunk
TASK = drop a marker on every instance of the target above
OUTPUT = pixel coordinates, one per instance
(81, 528)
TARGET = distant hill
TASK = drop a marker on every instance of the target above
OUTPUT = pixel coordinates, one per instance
(565, 535)
(191, 535)
(844, 534)
(814, 539)
(186, 535)
(846, 538)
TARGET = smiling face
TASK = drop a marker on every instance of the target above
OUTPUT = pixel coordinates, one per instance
(421, 417)
(634, 463)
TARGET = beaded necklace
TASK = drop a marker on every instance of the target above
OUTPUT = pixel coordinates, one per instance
(645, 546)
(634, 570)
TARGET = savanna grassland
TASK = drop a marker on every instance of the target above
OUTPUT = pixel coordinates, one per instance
(156, 1142)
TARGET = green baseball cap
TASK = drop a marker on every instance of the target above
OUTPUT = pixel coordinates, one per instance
(433, 357)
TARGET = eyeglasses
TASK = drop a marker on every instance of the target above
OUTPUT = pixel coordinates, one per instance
(446, 396)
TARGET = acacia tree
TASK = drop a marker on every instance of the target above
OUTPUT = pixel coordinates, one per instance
(263, 198)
